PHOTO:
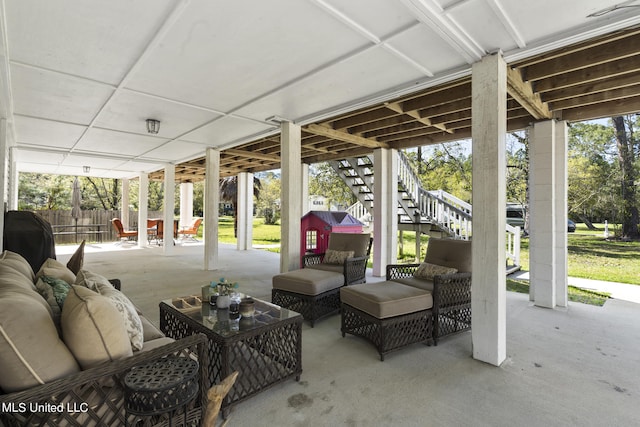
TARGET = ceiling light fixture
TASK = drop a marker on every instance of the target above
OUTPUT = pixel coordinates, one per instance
(624, 5)
(153, 126)
(86, 169)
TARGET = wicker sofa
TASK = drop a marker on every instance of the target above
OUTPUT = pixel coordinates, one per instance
(65, 366)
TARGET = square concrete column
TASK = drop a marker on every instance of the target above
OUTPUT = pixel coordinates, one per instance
(169, 208)
(488, 131)
(305, 189)
(124, 205)
(548, 207)
(385, 209)
(291, 207)
(4, 149)
(211, 214)
(561, 185)
(186, 204)
(143, 209)
(14, 180)
(245, 211)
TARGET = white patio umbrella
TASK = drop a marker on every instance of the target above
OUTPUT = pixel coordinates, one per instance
(76, 199)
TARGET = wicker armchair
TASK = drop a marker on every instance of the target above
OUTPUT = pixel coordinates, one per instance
(451, 292)
(353, 269)
(97, 394)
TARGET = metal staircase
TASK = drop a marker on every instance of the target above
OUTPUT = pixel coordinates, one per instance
(442, 212)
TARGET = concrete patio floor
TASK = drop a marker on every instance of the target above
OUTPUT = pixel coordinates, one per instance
(579, 366)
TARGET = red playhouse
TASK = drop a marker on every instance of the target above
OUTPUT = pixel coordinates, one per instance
(317, 225)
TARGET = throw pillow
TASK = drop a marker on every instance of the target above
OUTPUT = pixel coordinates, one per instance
(125, 307)
(427, 271)
(93, 329)
(53, 268)
(336, 257)
(75, 262)
(54, 291)
(31, 352)
(18, 263)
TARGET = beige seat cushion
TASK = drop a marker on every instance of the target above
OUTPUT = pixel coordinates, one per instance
(53, 268)
(328, 267)
(93, 328)
(425, 285)
(18, 263)
(125, 307)
(449, 253)
(31, 352)
(386, 299)
(308, 281)
(149, 331)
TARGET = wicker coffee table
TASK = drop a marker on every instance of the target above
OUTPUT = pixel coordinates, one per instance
(265, 349)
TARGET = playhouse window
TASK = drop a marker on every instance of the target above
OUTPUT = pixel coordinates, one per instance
(312, 239)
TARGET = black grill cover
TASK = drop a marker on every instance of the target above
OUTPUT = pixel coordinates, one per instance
(29, 235)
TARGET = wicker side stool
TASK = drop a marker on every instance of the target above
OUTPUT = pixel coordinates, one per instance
(313, 293)
(388, 314)
(159, 387)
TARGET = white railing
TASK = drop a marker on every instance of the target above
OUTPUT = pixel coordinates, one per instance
(513, 244)
(358, 211)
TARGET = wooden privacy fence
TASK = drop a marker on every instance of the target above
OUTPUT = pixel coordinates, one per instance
(92, 226)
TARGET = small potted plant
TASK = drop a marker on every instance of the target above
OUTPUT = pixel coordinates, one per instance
(224, 289)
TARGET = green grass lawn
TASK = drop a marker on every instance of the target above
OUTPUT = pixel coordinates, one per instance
(575, 294)
(590, 255)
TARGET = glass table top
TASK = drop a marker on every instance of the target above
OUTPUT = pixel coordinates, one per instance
(226, 324)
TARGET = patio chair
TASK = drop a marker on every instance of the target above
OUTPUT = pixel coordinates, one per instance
(451, 291)
(314, 291)
(192, 231)
(123, 235)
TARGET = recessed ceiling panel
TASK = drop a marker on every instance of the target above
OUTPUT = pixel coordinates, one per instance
(93, 162)
(95, 39)
(484, 28)
(120, 143)
(374, 72)
(428, 49)
(128, 111)
(537, 20)
(56, 96)
(220, 56)
(35, 156)
(176, 151)
(133, 168)
(226, 130)
(380, 17)
(46, 132)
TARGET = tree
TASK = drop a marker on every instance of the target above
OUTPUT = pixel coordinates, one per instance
(518, 172)
(323, 180)
(624, 135)
(229, 193)
(269, 201)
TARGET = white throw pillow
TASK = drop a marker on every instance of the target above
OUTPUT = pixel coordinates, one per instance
(125, 307)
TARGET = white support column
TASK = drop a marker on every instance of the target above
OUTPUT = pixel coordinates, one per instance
(385, 209)
(124, 205)
(211, 202)
(541, 215)
(186, 204)
(143, 209)
(14, 180)
(291, 159)
(4, 150)
(305, 189)
(488, 130)
(169, 208)
(245, 211)
(561, 185)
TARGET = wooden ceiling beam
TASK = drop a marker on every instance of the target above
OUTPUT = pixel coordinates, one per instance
(344, 136)
(601, 110)
(586, 58)
(587, 75)
(363, 118)
(415, 114)
(592, 87)
(522, 92)
(252, 154)
(456, 93)
(610, 95)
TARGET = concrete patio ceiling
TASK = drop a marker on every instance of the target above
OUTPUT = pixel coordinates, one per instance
(79, 78)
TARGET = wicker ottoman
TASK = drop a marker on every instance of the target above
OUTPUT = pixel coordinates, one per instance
(388, 314)
(313, 293)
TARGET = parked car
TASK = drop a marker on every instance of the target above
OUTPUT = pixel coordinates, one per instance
(571, 226)
(515, 215)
